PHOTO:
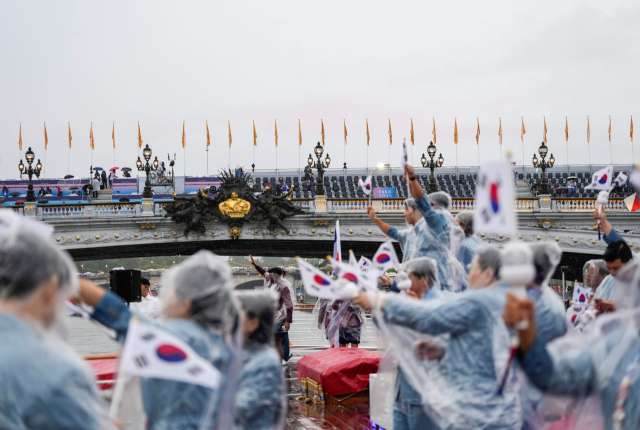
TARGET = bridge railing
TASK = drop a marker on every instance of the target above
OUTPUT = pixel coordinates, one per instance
(587, 205)
(397, 205)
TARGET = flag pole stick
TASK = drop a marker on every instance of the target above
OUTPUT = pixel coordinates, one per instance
(207, 161)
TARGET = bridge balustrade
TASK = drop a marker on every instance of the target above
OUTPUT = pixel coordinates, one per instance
(587, 205)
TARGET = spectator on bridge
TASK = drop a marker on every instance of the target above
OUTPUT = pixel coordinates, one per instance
(105, 183)
(285, 188)
(5, 191)
(149, 306)
(160, 171)
(42, 192)
(112, 177)
(260, 401)
(469, 245)
(45, 384)
(571, 185)
(200, 309)
(49, 191)
(60, 194)
(274, 280)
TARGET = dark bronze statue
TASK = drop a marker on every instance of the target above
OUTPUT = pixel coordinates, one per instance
(233, 203)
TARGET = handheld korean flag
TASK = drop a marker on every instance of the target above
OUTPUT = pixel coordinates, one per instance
(601, 180)
(364, 264)
(580, 295)
(351, 274)
(385, 258)
(366, 185)
(337, 250)
(352, 259)
(405, 156)
(150, 352)
(494, 200)
(316, 283)
(620, 180)
(632, 202)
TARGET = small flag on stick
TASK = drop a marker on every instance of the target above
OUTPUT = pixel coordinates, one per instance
(500, 132)
(46, 139)
(544, 133)
(478, 132)
(255, 135)
(413, 140)
(368, 132)
(390, 134)
(609, 129)
(20, 138)
(321, 130)
(588, 131)
(230, 137)
(299, 134)
(434, 131)
(91, 142)
(139, 136)
(208, 139)
(566, 129)
(183, 136)
(276, 123)
(455, 131)
(345, 131)
(69, 135)
(113, 134)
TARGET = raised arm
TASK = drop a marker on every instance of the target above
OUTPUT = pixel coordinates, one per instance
(414, 186)
(610, 234)
(381, 224)
(258, 268)
(109, 309)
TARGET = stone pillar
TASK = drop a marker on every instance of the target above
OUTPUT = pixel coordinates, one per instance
(30, 209)
(146, 207)
(544, 201)
(320, 204)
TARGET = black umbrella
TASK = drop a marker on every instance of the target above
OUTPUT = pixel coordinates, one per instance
(124, 200)
(68, 176)
(43, 201)
(15, 194)
(87, 187)
(74, 188)
(126, 169)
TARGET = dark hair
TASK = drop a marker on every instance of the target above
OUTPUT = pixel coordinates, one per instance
(260, 305)
(618, 249)
(145, 281)
(277, 271)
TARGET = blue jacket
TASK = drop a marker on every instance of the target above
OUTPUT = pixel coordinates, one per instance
(477, 334)
(259, 399)
(467, 250)
(576, 374)
(171, 404)
(41, 387)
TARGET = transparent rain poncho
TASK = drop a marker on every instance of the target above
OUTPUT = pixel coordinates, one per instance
(582, 312)
(286, 298)
(45, 384)
(213, 331)
(437, 236)
(260, 402)
(342, 321)
(595, 372)
(458, 376)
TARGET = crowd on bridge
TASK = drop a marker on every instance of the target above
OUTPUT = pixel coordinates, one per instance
(474, 335)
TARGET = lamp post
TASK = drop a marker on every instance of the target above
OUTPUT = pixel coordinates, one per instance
(28, 170)
(147, 193)
(318, 151)
(432, 164)
(544, 165)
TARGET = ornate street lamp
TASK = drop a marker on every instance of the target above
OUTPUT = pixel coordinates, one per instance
(318, 151)
(544, 165)
(30, 156)
(147, 193)
(432, 164)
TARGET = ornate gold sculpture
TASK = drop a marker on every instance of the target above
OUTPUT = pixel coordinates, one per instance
(235, 207)
(234, 232)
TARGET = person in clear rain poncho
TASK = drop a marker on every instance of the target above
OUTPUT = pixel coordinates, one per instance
(460, 389)
(43, 383)
(435, 234)
(199, 309)
(469, 245)
(581, 314)
(260, 402)
(597, 370)
(342, 321)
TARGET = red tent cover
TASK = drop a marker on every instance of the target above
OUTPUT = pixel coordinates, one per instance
(340, 370)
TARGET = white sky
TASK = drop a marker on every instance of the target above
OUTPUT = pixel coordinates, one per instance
(164, 62)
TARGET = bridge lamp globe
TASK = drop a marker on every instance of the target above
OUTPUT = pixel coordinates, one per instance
(543, 150)
(38, 167)
(535, 160)
(552, 160)
(310, 160)
(318, 150)
(139, 163)
(146, 152)
(423, 160)
(155, 162)
(327, 160)
(21, 166)
(431, 150)
(440, 160)
(30, 156)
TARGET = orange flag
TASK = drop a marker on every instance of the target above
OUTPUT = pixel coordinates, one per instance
(299, 133)
(434, 131)
(70, 135)
(500, 131)
(113, 135)
(566, 129)
(609, 129)
(478, 132)
(276, 131)
(523, 131)
(20, 138)
(46, 139)
(588, 131)
(91, 142)
(321, 131)
(345, 131)
(208, 138)
(230, 138)
(631, 128)
(413, 139)
(455, 131)
(544, 134)
(390, 134)
(139, 136)
(183, 136)
(255, 135)
(368, 132)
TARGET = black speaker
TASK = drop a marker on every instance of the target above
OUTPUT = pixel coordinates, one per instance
(126, 284)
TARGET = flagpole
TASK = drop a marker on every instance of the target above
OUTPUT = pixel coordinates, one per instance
(207, 161)
(589, 144)
(567, 140)
(610, 146)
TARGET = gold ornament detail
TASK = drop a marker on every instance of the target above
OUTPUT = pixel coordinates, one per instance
(481, 234)
(135, 235)
(350, 231)
(538, 237)
(58, 239)
(294, 230)
(155, 234)
(117, 236)
(501, 236)
(557, 239)
(148, 225)
(519, 236)
(174, 233)
(313, 231)
(235, 207)
(235, 232)
(77, 237)
(321, 222)
(332, 231)
(575, 240)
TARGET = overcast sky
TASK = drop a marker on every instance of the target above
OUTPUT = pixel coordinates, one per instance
(160, 63)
